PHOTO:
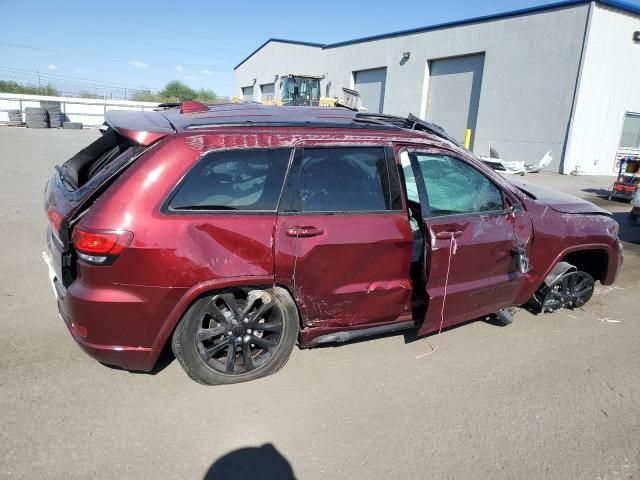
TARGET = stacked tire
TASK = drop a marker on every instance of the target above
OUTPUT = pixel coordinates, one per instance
(54, 112)
(36, 117)
(15, 118)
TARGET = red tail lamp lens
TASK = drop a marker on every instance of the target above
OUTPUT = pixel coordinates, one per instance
(55, 219)
(101, 242)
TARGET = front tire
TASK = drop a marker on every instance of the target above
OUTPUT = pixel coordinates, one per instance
(236, 335)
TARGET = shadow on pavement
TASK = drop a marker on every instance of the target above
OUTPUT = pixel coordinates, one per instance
(628, 233)
(598, 192)
(255, 463)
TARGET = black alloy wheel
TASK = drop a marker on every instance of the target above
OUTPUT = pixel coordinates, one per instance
(571, 290)
(236, 335)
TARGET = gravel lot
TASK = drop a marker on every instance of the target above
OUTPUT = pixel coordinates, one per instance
(554, 396)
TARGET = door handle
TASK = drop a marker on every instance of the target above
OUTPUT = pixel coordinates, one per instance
(448, 235)
(306, 231)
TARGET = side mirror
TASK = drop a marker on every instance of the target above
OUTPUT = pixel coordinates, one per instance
(513, 208)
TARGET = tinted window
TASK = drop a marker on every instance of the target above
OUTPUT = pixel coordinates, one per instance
(453, 187)
(344, 180)
(234, 180)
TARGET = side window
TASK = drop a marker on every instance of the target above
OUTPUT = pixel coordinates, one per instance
(453, 187)
(248, 180)
(346, 180)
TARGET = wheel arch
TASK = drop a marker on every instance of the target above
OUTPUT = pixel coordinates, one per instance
(163, 338)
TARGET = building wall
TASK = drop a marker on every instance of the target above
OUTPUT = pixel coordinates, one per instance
(530, 72)
(609, 86)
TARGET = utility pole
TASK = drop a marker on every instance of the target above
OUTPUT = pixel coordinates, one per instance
(38, 78)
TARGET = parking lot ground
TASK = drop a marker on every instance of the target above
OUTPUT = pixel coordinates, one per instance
(550, 396)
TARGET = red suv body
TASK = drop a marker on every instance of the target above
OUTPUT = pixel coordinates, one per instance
(352, 224)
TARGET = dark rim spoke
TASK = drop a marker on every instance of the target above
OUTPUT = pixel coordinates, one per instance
(209, 333)
(584, 291)
(264, 308)
(217, 347)
(246, 355)
(269, 326)
(264, 343)
(213, 310)
(230, 301)
(230, 361)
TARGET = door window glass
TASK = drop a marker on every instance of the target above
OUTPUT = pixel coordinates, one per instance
(453, 187)
(345, 180)
(234, 180)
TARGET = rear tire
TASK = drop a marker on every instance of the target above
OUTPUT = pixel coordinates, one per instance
(236, 335)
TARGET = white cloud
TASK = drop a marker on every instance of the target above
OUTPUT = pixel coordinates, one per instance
(207, 72)
(179, 67)
(52, 67)
(138, 64)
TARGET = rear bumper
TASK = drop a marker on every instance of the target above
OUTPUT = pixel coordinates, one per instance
(127, 357)
(116, 324)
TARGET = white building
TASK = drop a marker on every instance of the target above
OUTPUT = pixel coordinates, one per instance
(563, 78)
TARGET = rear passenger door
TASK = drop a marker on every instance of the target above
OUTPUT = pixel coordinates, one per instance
(343, 243)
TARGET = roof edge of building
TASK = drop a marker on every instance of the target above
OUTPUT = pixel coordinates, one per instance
(279, 40)
(618, 4)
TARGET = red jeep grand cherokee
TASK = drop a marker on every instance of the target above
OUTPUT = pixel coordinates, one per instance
(234, 231)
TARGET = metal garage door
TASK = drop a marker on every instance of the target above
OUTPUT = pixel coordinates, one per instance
(247, 94)
(267, 90)
(370, 84)
(454, 94)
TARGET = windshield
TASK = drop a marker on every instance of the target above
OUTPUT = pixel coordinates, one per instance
(300, 91)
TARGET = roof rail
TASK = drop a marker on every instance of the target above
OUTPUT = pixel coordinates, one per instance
(408, 123)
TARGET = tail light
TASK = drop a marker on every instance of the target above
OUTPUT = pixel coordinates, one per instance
(100, 247)
(55, 219)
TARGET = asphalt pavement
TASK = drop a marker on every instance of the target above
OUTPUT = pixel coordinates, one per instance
(550, 396)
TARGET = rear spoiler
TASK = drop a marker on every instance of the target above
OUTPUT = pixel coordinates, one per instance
(144, 128)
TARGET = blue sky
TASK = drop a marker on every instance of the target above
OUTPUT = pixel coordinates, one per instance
(117, 44)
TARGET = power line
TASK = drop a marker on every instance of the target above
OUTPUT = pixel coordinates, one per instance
(60, 77)
(115, 58)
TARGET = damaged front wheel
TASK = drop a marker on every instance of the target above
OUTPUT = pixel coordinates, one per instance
(569, 290)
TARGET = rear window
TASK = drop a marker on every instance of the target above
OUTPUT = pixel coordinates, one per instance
(85, 164)
(346, 180)
(248, 180)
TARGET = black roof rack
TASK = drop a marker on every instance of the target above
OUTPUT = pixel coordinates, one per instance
(411, 123)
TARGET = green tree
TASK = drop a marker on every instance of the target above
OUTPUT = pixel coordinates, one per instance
(175, 91)
(178, 91)
(15, 87)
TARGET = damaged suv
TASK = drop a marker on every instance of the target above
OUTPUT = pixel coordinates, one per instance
(231, 232)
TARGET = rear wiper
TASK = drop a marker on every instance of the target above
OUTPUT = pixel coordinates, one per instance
(204, 207)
